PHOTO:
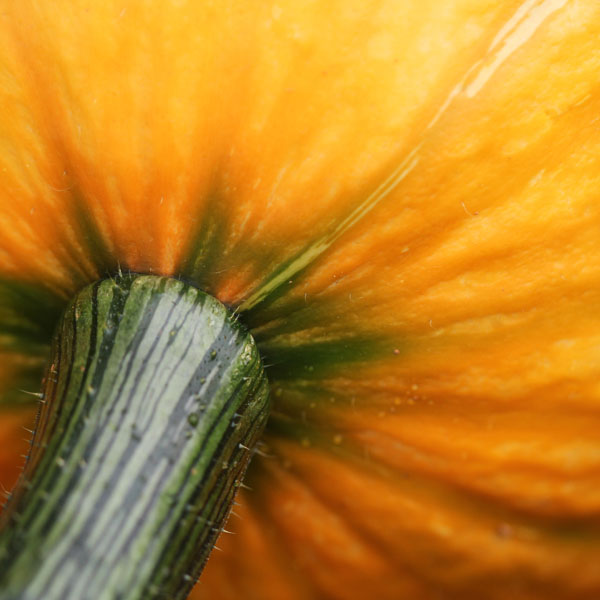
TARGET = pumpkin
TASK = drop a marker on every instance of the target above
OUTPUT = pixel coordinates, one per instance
(400, 201)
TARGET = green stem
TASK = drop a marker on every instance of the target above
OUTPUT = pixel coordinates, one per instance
(153, 401)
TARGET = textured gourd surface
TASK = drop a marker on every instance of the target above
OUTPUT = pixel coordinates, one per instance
(401, 200)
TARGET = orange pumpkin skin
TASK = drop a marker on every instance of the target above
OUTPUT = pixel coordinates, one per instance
(400, 198)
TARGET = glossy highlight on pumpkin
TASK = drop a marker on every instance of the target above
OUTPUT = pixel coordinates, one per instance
(400, 200)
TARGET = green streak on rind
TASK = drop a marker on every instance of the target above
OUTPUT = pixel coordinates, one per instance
(91, 236)
(273, 284)
(154, 397)
(322, 359)
(206, 243)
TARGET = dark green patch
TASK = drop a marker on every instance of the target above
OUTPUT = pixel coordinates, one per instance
(319, 359)
(26, 383)
(28, 315)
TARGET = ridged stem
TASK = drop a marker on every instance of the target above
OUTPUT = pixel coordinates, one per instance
(153, 400)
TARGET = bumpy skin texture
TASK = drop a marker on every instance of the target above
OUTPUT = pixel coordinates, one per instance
(401, 199)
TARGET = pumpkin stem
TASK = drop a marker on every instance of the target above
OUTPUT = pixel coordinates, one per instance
(154, 399)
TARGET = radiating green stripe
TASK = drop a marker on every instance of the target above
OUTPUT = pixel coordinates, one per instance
(91, 237)
(326, 358)
(275, 282)
(206, 244)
